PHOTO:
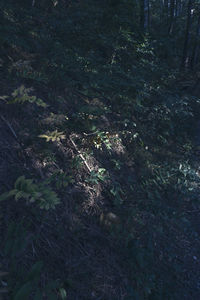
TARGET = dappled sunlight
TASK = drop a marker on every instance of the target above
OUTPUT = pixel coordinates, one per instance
(100, 150)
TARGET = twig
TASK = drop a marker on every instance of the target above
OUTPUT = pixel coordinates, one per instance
(92, 133)
(10, 127)
(81, 155)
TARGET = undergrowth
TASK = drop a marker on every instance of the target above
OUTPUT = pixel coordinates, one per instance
(109, 152)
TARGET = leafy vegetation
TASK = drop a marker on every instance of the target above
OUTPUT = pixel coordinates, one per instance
(99, 148)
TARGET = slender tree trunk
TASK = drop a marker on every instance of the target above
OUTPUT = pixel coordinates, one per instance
(166, 5)
(144, 15)
(172, 17)
(179, 7)
(185, 57)
(176, 8)
(161, 9)
(195, 52)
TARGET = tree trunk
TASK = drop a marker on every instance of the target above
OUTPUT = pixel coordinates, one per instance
(172, 17)
(144, 15)
(166, 5)
(185, 57)
(161, 8)
(176, 8)
(195, 52)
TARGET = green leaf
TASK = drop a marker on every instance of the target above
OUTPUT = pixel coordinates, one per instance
(38, 295)
(4, 196)
(63, 293)
(52, 285)
(24, 292)
(19, 181)
(7, 195)
(35, 271)
(19, 195)
(51, 296)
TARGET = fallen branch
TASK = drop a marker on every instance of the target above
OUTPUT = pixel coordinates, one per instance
(80, 154)
(92, 133)
(10, 127)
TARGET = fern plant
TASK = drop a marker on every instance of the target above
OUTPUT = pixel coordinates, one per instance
(60, 179)
(26, 189)
(96, 176)
(54, 136)
(22, 95)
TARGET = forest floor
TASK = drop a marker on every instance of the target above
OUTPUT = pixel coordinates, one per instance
(73, 248)
(73, 240)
